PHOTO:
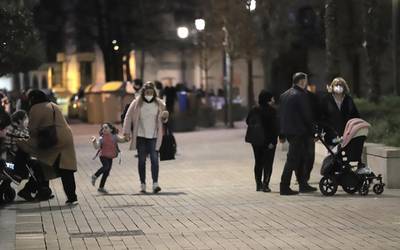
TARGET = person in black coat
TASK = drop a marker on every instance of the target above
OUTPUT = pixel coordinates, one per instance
(296, 123)
(262, 134)
(337, 108)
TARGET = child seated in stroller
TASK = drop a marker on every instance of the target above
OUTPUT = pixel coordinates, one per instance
(19, 164)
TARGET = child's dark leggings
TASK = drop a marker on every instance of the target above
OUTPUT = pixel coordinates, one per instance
(104, 170)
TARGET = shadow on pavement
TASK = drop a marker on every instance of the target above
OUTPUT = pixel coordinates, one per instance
(43, 209)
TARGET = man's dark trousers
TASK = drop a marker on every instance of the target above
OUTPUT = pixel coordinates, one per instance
(303, 174)
(295, 160)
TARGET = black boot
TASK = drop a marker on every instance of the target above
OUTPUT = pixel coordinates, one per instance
(285, 190)
(306, 188)
(266, 188)
(25, 194)
(258, 186)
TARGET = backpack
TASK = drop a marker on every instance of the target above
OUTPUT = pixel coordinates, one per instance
(255, 134)
(118, 151)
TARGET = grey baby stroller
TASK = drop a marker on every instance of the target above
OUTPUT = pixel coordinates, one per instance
(343, 166)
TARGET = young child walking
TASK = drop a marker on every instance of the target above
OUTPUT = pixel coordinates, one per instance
(107, 146)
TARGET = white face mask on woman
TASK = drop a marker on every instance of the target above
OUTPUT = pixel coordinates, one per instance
(338, 89)
(25, 123)
(149, 98)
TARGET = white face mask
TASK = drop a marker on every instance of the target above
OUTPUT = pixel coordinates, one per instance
(148, 98)
(338, 89)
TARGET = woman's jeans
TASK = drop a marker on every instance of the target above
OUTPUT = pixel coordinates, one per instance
(104, 170)
(147, 147)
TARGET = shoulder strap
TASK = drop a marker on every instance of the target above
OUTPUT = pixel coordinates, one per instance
(54, 113)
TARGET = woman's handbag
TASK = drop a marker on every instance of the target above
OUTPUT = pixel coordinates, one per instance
(47, 136)
(255, 131)
(168, 145)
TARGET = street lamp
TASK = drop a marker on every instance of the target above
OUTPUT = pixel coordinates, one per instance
(183, 32)
(251, 5)
(200, 24)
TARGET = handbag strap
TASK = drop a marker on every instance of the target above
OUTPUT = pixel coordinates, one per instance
(54, 113)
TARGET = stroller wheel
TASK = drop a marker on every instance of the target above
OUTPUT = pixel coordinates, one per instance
(328, 186)
(9, 195)
(378, 189)
(364, 189)
(349, 190)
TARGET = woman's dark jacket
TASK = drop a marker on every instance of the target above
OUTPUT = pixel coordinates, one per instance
(269, 122)
(333, 119)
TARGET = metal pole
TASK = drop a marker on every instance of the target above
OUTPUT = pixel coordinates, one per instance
(394, 52)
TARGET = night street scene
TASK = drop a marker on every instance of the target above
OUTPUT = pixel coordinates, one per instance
(199, 124)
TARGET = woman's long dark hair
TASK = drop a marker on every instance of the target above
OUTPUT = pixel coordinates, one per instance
(37, 96)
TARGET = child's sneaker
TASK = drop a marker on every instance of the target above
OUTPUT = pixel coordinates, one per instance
(156, 188)
(94, 178)
(102, 190)
(143, 188)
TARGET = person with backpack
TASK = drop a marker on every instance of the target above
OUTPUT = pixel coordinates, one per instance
(262, 134)
(107, 150)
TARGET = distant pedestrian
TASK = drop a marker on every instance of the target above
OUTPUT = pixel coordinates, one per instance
(107, 146)
(337, 108)
(146, 116)
(262, 134)
(296, 124)
(170, 97)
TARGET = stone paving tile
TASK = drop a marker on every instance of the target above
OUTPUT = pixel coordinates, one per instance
(208, 202)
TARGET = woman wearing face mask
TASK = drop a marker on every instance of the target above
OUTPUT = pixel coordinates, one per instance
(146, 116)
(337, 108)
(264, 150)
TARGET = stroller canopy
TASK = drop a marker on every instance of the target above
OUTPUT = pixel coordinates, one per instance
(354, 128)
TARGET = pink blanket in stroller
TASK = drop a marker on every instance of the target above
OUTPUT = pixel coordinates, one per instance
(353, 126)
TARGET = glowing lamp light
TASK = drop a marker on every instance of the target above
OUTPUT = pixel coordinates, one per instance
(252, 6)
(200, 24)
(114, 41)
(183, 32)
(116, 47)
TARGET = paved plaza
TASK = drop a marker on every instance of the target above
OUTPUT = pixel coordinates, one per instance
(208, 202)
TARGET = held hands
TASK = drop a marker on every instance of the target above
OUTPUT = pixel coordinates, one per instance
(127, 137)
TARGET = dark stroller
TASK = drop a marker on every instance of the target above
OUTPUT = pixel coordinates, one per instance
(7, 193)
(8, 175)
(338, 168)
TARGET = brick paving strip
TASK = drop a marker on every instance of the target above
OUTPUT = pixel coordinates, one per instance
(208, 202)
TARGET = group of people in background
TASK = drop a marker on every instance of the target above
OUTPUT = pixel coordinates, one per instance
(301, 115)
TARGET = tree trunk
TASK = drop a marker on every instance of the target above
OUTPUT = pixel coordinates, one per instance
(250, 86)
(331, 40)
(371, 35)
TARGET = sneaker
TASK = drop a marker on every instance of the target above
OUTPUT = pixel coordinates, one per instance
(71, 201)
(102, 190)
(156, 188)
(94, 178)
(143, 188)
(307, 189)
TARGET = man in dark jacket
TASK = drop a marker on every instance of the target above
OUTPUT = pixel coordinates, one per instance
(296, 122)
